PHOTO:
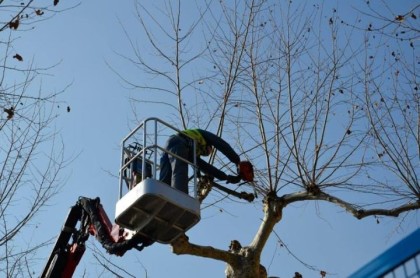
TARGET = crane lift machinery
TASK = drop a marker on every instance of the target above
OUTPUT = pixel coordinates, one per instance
(147, 210)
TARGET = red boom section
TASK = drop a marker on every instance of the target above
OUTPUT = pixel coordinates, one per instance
(73, 258)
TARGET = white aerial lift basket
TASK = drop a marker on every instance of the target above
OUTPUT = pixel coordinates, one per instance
(157, 211)
(152, 208)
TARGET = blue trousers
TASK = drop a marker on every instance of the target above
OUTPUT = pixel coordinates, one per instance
(173, 171)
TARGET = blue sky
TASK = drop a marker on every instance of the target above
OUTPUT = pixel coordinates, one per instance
(83, 40)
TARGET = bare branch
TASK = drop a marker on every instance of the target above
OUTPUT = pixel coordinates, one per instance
(355, 210)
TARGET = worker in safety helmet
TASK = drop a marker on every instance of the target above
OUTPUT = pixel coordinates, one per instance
(175, 171)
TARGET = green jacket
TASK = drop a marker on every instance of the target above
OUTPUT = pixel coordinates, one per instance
(204, 138)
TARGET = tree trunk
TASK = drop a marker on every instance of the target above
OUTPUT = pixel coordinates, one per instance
(247, 266)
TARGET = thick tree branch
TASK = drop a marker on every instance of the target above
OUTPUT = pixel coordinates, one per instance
(355, 210)
(272, 215)
(181, 246)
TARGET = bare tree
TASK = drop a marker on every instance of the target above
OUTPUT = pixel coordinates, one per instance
(391, 92)
(325, 108)
(31, 157)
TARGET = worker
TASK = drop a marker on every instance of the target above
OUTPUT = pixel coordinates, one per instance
(174, 172)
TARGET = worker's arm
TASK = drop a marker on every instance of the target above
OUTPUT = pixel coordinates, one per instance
(221, 145)
(212, 171)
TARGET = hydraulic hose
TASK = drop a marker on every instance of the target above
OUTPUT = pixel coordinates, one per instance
(90, 206)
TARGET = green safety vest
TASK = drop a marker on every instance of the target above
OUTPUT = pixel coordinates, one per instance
(199, 139)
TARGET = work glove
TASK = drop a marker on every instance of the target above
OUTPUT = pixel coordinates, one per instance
(233, 179)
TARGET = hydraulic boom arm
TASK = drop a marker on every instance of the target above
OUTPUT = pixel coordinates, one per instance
(66, 255)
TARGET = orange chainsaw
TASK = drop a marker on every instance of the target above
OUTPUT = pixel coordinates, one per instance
(246, 172)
